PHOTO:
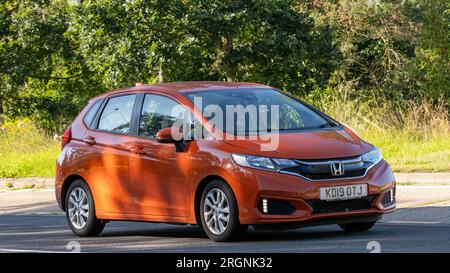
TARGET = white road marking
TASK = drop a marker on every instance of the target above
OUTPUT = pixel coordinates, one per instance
(32, 233)
(39, 213)
(413, 222)
(44, 213)
(30, 251)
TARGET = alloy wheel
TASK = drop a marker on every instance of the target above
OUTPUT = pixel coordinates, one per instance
(216, 211)
(78, 208)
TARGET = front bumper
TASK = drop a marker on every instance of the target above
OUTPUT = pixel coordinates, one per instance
(304, 196)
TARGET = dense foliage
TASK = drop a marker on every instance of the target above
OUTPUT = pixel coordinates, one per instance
(56, 54)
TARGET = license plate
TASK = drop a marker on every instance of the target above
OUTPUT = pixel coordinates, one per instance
(343, 192)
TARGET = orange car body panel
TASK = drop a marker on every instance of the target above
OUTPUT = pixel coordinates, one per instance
(157, 183)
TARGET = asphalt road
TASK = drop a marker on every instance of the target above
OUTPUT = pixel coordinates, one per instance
(30, 222)
(50, 233)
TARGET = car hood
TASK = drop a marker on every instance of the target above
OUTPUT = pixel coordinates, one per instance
(317, 144)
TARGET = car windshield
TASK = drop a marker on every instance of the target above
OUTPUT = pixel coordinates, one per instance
(253, 110)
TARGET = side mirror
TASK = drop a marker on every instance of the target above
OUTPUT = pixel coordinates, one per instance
(165, 136)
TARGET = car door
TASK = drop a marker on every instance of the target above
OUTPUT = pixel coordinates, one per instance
(159, 175)
(108, 152)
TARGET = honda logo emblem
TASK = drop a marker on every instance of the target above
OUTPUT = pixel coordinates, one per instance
(337, 168)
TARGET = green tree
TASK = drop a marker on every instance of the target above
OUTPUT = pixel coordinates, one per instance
(56, 54)
(433, 53)
(264, 41)
(42, 76)
(127, 42)
(377, 40)
(32, 39)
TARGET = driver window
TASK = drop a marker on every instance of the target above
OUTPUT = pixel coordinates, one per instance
(159, 112)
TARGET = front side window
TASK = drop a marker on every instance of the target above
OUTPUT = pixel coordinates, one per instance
(116, 116)
(159, 112)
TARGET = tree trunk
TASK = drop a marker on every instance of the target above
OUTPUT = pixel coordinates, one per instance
(227, 45)
(1, 105)
(160, 75)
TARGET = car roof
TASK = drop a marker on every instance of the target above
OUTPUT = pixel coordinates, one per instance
(184, 87)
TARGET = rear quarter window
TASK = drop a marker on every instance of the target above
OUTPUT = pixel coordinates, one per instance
(90, 115)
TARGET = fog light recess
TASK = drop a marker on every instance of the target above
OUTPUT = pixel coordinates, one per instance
(388, 198)
(272, 206)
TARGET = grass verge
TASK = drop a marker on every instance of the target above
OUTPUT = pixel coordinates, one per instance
(409, 154)
(32, 164)
(25, 151)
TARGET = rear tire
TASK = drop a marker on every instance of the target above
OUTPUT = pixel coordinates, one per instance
(80, 210)
(219, 213)
(357, 227)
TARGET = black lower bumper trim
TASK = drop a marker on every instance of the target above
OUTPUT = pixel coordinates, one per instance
(310, 223)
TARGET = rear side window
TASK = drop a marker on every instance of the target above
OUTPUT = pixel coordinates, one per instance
(116, 116)
(89, 117)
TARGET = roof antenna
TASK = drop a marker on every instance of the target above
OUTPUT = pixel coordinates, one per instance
(139, 84)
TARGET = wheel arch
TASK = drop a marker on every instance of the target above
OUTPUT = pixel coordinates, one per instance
(65, 187)
(199, 190)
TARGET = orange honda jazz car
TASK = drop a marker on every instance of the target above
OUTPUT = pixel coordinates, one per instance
(220, 155)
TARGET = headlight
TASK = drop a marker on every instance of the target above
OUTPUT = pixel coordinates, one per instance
(374, 156)
(263, 163)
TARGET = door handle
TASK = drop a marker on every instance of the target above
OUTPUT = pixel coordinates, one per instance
(89, 140)
(137, 150)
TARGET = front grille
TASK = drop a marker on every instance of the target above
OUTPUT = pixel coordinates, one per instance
(322, 176)
(321, 206)
(321, 170)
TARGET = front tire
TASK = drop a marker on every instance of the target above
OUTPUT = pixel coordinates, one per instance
(357, 227)
(80, 210)
(219, 213)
